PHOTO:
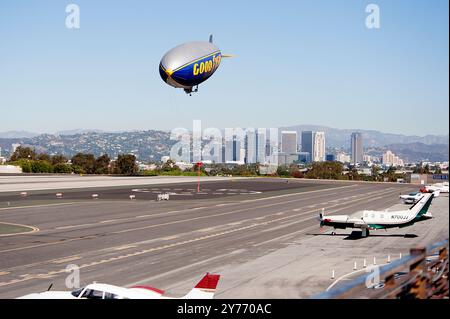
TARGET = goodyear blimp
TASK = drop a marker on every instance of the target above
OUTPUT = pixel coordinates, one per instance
(189, 64)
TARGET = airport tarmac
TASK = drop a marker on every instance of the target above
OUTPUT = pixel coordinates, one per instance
(265, 245)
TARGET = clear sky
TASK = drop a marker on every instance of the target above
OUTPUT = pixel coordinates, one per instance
(298, 62)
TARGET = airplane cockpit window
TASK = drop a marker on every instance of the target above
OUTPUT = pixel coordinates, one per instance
(93, 294)
(109, 295)
(77, 292)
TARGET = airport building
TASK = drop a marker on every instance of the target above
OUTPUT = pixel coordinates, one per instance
(356, 148)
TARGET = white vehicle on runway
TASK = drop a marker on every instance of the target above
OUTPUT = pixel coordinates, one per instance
(370, 219)
(411, 198)
(205, 289)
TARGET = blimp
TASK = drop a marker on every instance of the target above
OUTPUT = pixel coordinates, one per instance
(190, 64)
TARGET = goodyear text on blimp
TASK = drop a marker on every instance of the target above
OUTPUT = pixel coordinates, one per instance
(208, 65)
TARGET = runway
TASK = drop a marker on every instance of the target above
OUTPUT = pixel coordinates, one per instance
(170, 244)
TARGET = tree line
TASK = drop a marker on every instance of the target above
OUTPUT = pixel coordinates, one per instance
(32, 162)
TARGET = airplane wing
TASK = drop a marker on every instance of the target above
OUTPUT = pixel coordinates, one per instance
(205, 288)
(341, 221)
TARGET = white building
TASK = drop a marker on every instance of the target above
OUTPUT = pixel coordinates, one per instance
(319, 147)
(390, 159)
(343, 158)
(356, 148)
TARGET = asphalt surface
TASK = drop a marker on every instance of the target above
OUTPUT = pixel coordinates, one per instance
(170, 244)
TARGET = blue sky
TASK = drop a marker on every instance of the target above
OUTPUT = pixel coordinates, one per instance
(298, 62)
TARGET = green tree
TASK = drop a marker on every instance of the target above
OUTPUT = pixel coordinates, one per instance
(41, 167)
(43, 157)
(85, 162)
(23, 153)
(126, 164)
(62, 168)
(58, 159)
(102, 164)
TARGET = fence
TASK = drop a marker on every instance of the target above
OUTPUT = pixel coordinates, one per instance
(423, 277)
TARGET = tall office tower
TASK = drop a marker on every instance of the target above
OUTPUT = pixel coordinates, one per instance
(232, 150)
(261, 146)
(251, 148)
(308, 143)
(319, 147)
(356, 148)
(289, 142)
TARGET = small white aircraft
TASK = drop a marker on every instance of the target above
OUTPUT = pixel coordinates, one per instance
(371, 219)
(205, 289)
(411, 198)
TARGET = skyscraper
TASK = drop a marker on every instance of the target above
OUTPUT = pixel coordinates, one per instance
(308, 143)
(289, 142)
(356, 148)
(261, 142)
(319, 147)
(314, 144)
(251, 146)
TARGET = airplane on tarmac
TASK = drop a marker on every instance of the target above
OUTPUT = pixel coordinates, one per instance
(205, 289)
(370, 219)
(414, 197)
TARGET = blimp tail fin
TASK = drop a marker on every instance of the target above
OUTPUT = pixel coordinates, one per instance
(211, 38)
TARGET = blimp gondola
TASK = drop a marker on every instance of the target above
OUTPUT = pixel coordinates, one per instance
(189, 64)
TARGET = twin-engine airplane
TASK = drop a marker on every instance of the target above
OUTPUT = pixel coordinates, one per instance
(205, 289)
(370, 219)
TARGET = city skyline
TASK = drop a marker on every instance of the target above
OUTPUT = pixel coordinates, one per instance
(104, 75)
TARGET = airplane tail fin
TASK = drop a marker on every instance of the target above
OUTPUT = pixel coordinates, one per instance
(205, 289)
(211, 38)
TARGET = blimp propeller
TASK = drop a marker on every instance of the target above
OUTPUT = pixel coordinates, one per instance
(190, 64)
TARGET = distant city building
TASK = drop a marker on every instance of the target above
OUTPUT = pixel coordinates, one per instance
(235, 152)
(304, 157)
(367, 158)
(390, 159)
(289, 142)
(314, 144)
(330, 157)
(255, 150)
(319, 147)
(356, 148)
(343, 158)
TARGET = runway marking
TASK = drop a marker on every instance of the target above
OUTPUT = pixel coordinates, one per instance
(33, 230)
(37, 206)
(124, 247)
(294, 194)
(108, 221)
(74, 226)
(66, 260)
(170, 237)
(145, 251)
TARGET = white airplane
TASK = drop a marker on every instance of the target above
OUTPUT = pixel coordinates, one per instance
(411, 198)
(371, 219)
(441, 187)
(205, 289)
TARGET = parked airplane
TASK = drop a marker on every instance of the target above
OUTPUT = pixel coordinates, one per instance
(411, 198)
(205, 289)
(371, 219)
(414, 197)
